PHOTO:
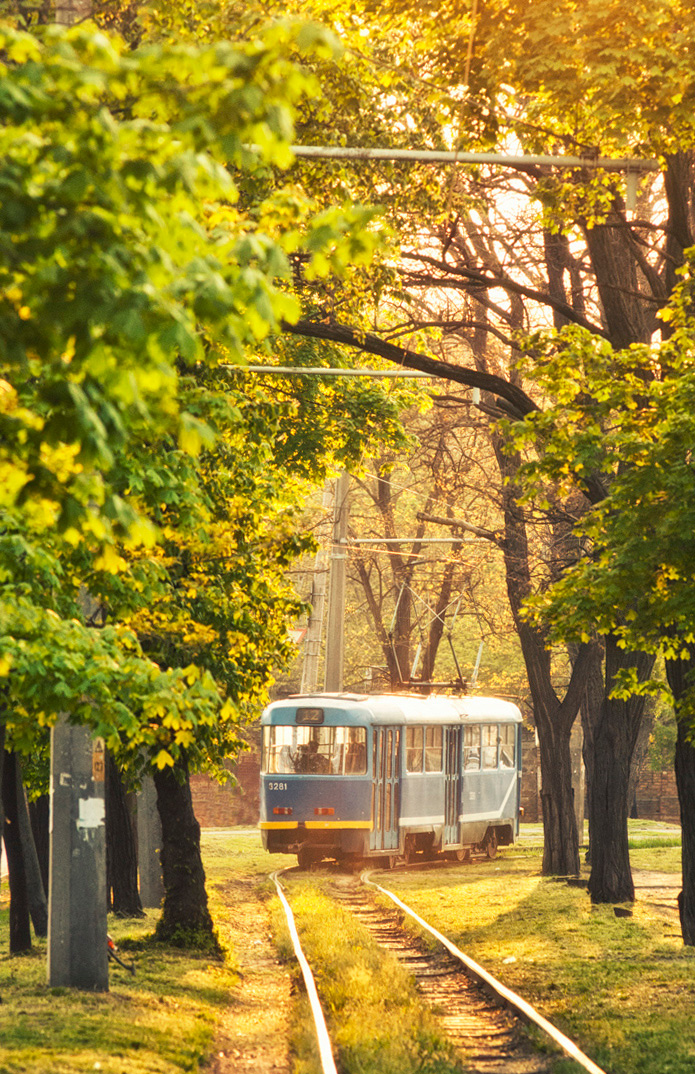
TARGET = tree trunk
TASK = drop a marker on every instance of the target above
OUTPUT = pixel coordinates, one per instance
(20, 926)
(594, 691)
(626, 315)
(185, 919)
(614, 734)
(121, 850)
(679, 677)
(553, 717)
(39, 815)
(36, 892)
(560, 840)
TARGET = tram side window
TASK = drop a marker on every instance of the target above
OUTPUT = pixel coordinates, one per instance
(507, 745)
(489, 745)
(277, 749)
(471, 748)
(355, 751)
(413, 748)
(433, 749)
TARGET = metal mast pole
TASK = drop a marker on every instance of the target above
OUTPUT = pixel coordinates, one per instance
(335, 633)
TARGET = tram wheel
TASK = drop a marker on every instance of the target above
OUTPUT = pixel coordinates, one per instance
(463, 854)
(304, 858)
(409, 849)
(491, 843)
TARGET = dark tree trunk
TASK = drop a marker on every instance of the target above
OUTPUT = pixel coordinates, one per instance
(36, 892)
(560, 839)
(554, 717)
(626, 315)
(614, 732)
(400, 639)
(121, 848)
(185, 919)
(680, 678)
(594, 690)
(436, 630)
(39, 815)
(678, 184)
(685, 780)
(20, 925)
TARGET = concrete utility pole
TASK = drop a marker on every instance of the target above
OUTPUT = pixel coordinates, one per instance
(77, 930)
(335, 632)
(314, 630)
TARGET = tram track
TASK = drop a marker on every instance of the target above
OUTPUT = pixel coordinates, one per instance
(487, 1037)
(481, 1018)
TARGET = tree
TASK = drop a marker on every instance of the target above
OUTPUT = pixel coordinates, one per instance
(630, 412)
(416, 595)
(126, 262)
(589, 80)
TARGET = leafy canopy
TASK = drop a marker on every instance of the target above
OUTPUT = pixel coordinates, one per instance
(630, 415)
(129, 258)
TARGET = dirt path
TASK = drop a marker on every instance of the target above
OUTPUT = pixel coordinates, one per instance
(658, 889)
(254, 1030)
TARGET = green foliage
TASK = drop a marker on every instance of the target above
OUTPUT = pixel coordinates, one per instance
(629, 414)
(143, 247)
(662, 742)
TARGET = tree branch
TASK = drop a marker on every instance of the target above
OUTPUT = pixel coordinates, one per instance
(519, 403)
(481, 279)
(458, 523)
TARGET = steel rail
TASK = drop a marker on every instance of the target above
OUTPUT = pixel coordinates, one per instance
(483, 977)
(324, 1043)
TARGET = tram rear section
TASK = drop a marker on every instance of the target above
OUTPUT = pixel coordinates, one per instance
(354, 777)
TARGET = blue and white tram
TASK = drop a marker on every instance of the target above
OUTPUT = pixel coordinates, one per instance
(353, 777)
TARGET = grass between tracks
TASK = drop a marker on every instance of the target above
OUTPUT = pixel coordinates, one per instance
(623, 988)
(377, 1023)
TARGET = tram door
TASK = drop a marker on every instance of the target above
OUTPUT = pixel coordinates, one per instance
(452, 784)
(385, 801)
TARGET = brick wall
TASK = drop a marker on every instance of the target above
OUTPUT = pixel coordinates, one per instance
(657, 797)
(223, 805)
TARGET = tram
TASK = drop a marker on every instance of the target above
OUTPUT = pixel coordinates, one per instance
(352, 777)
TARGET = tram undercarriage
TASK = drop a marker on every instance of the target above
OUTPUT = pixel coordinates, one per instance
(352, 846)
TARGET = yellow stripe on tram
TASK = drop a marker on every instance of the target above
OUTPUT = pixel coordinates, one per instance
(338, 824)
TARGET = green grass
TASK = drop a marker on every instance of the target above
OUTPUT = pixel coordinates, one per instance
(623, 988)
(161, 1020)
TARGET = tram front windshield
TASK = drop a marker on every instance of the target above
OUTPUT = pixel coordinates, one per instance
(314, 750)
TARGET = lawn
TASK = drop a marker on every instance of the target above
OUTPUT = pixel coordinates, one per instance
(623, 988)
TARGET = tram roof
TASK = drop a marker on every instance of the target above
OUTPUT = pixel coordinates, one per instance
(394, 708)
